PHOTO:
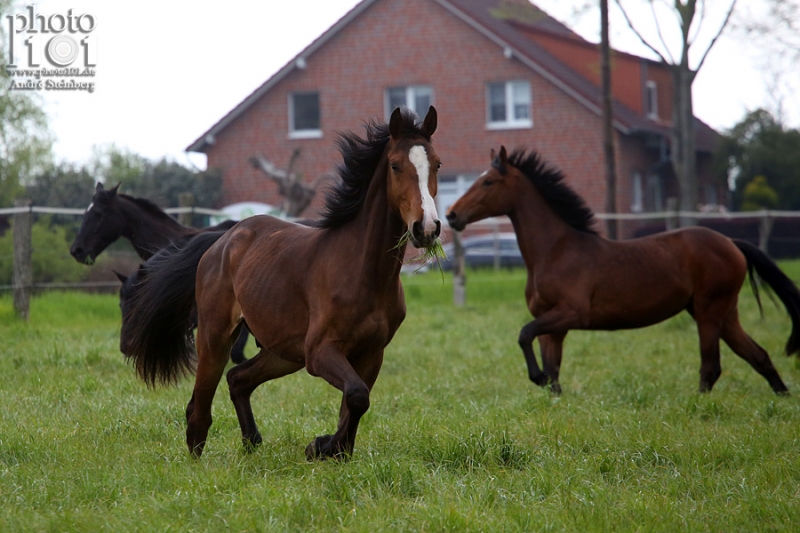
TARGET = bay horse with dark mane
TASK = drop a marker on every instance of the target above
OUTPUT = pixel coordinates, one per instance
(328, 299)
(580, 280)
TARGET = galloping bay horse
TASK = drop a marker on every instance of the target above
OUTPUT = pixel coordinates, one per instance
(579, 280)
(328, 299)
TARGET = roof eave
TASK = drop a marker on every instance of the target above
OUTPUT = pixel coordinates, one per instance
(201, 143)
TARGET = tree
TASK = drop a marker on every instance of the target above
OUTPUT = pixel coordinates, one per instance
(760, 145)
(608, 129)
(683, 151)
(296, 194)
(66, 185)
(25, 140)
(776, 30)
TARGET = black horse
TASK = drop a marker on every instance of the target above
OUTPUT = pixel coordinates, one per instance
(112, 215)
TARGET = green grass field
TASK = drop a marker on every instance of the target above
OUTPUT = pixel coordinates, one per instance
(457, 438)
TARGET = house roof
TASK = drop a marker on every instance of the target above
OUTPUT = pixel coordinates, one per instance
(504, 22)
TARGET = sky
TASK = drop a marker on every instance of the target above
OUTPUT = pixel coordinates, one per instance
(167, 70)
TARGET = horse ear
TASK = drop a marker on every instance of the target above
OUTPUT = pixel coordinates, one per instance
(395, 123)
(492, 154)
(122, 277)
(98, 187)
(503, 156)
(113, 191)
(429, 124)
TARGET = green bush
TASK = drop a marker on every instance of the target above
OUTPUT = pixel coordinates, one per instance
(50, 257)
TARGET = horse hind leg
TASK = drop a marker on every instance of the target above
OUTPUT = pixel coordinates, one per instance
(710, 367)
(746, 348)
(552, 347)
(244, 379)
(213, 350)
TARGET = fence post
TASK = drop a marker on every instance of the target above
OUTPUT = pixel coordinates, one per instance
(459, 272)
(496, 248)
(764, 230)
(23, 270)
(672, 210)
(186, 199)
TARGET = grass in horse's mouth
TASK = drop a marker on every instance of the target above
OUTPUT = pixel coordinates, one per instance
(434, 251)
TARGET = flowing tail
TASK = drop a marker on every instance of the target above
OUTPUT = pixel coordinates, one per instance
(157, 330)
(783, 287)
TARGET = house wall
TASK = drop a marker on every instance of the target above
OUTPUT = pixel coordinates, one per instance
(418, 42)
(378, 50)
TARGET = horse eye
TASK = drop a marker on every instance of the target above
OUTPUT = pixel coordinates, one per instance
(487, 182)
(394, 166)
(438, 165)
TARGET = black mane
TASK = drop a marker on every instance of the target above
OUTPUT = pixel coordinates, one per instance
(360, 158)
(559, 196)
(148, 206)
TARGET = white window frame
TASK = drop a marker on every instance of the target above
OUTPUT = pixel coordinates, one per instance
(509, 123)
(637, 193)
(411, 97)
(315, 133)
(651, 99)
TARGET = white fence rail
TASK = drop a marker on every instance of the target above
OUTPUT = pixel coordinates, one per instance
(23, 284)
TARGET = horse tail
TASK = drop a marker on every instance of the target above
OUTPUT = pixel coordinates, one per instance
(780, 283)
(157, 330)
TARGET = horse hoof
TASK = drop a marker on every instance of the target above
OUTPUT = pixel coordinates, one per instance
(197, 450)
(320, 448)
(251, 442)
(540, 379)
(555, 389)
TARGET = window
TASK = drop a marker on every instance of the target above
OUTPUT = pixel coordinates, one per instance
(637, 193)
(651, 99)
(304, 115)
(417, 98)
(508, 105)
(451, 188)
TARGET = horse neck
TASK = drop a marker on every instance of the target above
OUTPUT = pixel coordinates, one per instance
(147, 232)
(377, 230)
(537, 226)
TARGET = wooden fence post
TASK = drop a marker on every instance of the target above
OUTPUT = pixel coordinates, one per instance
(672, 209)
(764, 230)
(23, 270)
(186, 199)
(459, 272)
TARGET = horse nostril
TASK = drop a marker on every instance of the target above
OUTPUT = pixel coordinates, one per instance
(417, 230)
(451, 217)
(438, 229)
(76, 251)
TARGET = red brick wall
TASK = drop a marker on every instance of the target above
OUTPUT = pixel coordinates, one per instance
(408, 42)
(403, 43)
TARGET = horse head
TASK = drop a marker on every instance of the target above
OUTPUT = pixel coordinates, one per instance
(102, 224)
(412, 177)
(491, 195)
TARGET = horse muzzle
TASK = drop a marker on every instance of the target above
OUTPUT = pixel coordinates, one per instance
(422, 237)
(456, 222)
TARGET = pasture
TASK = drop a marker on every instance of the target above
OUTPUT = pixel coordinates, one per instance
(457, 438)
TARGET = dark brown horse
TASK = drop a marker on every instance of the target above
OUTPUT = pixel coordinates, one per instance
(328, 299)
(579, 280)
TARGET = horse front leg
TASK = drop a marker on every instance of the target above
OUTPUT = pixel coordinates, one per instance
(551, 327)
(331, 365)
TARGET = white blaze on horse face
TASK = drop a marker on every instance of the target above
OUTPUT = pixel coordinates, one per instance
(91, 205)
(419, 158)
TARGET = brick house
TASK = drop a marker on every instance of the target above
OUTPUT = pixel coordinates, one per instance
(498, 72)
